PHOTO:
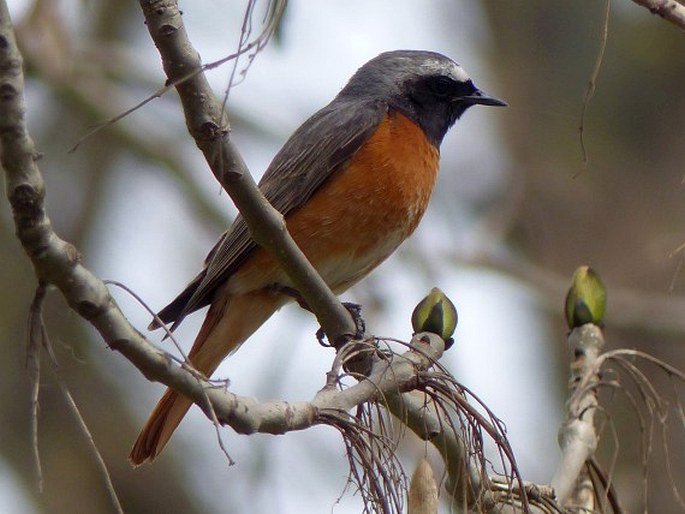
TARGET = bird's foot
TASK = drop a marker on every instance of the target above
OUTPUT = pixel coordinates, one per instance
(355, 311)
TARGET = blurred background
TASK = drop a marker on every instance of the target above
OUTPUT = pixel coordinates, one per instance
(516, 210)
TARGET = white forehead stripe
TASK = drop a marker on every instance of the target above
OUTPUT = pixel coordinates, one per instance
(441, 67)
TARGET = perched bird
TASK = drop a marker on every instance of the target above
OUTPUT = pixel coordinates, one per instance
(352, 183)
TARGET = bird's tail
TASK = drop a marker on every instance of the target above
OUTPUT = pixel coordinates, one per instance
(159, 427)
(229, 322)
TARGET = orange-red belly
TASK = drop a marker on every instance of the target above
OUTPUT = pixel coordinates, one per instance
(361, 214)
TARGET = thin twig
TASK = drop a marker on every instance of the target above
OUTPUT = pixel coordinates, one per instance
(38, 338)
(92, 446)
(185, 363)
(256, 45)
(657, 410)
(592, 83)
(33, 346)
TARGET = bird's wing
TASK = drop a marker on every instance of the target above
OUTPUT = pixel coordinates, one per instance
(314, 152)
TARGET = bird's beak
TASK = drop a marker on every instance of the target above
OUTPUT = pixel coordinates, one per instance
(478, 97)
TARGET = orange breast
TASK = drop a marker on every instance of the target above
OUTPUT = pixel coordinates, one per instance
(362, 213)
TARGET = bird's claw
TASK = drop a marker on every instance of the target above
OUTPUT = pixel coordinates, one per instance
(355, 311)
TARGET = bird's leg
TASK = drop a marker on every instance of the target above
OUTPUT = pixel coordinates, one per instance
(294, 294)
(352, 352)
(354, 309)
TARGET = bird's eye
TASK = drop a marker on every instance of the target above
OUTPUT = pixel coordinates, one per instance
(442, 86)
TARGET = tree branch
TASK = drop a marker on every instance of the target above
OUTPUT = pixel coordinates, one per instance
(632, 308)
(246, 415)
(670, 10)
(577, 435)
(208, 125)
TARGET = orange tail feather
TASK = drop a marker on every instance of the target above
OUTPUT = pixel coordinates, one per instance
(229, 322)
(159, 427)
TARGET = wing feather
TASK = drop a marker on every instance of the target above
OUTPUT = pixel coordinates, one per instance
(313, 154)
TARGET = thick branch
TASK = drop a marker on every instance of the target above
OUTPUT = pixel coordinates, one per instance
(577, 435)
(464, 487)
(466, 483)
(208, 125)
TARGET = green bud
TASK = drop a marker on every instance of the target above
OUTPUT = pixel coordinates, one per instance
(586, 299)
(437, 314)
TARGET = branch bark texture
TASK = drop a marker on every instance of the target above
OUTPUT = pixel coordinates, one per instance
(577, 436)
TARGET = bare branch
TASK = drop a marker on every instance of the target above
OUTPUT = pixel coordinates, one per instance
(92, 446)
(577, 436)
(631, 308)
(670, 10)
(592, 83)
(38, 339)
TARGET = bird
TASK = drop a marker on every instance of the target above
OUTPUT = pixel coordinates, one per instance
(352, 183)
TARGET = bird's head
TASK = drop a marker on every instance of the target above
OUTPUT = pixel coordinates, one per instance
(428, 87)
